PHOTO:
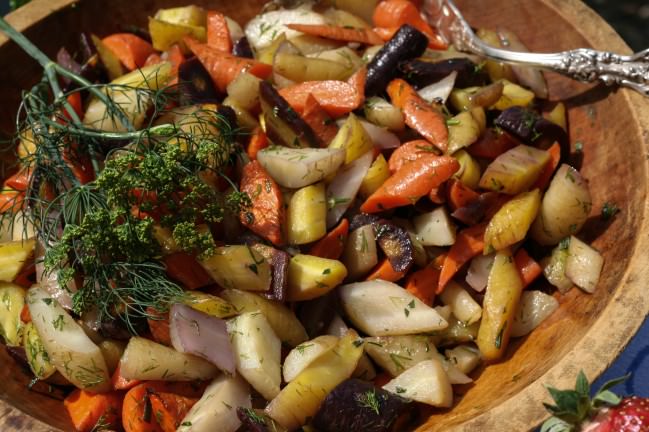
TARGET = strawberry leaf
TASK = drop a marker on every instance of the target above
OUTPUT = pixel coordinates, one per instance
(606, 397)
(582, 386)
(612, 383)
(554, 424)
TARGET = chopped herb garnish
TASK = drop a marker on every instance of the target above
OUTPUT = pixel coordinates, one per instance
(609, 210)
(369, 400)
(302, 347)
(400, 390)
(499, 338)
(253, 416)
(579, 147)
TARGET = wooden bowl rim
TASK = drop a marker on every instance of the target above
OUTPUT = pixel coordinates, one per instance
(628, 301)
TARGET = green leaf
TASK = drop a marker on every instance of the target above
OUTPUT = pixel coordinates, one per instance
(565, 399)
(582, 386)
(606, 397)
(554, 424)
(612, 383)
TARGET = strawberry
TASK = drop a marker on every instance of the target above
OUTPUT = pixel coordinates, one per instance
(575, 411)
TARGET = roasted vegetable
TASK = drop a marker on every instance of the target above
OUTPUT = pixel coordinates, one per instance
(165, 34)
(263, 28)
(534, 307)
(306, 215)
(511, 223)
(463, 130)
(245, 90)
(381, 308)
(13, 256)
(395, 243)
(353, 138)
(306, 353)
(255, 420)
(302, 397)
(377, 174)
(465, 358)
(383, 113)
(278, 260)
(217, 408)
(426, 382)
(462, 305)
(532, 129)
(554, 267)
(257, 352)
(515, 171)
(396, 354)
(565, 207)
(73, 354)
(296, 168)
(406, 44)
(299, 68)
(37, 357)
(12, 301)
(583, 265)
(499, 306)
(310, 276)
(360, 254)
(435, 228)
(342, 190)
(242, 48)
(282, 320)
(239, 267)
(283, 125)
(144, 359)
(421, 73)
(209, 304)
(513, 95)
(196, 83)
(356, 405)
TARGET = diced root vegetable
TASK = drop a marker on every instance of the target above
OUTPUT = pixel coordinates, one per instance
(13, 256)
(396, 354)
(554, 267)
(342, 190)
(565, 207)
(439, 91)
(217, 408)
(146, 360)
(462, 304)
(310, 276)
(583, 265)
(381, 308)
(511, 223)
(306, 353)
(261, 30)
(257, 352)
(478, 272)
(515, 171)
(435, 228)
(499, 306)
(296, 168)
(302, 397)
(282, 320)
(39, 361)
(11, 306)
(534, 307)
(306, 215)
(70, 350)
(360, 254)
(426, 382)
(239, 267)
(463, 130)
(383, 113)
(465, 358)
(353, 138)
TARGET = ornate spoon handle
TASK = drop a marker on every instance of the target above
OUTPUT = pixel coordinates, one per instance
(580, 64)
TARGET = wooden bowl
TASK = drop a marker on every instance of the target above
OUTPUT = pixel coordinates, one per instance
(587, 332)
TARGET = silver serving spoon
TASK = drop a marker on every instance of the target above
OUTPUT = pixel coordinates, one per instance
(581, 64)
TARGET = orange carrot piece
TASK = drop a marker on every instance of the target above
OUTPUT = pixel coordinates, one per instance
(25, 316)
(218, 34)
(265, 216)
(411, 182)
(332, 245)
(159, 326)
(469, 243)
(316, 117)
(175, 56)
(546, 175)
(11, 200)
(357, 81)
(137, 415)
(131, 50)
(492, 144)
(258, 141)
(423, 284)
(385, 271)
(121, 383)
(419, 114)
(87, 409)
(224, 67)
(360, 35)
(184, 268)
(79, 163)
(386, 33)
(20, 180)
(527, 267)
(395, 13)
(27, 276)
(408, 152)
(460, 195)
(169, 409)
